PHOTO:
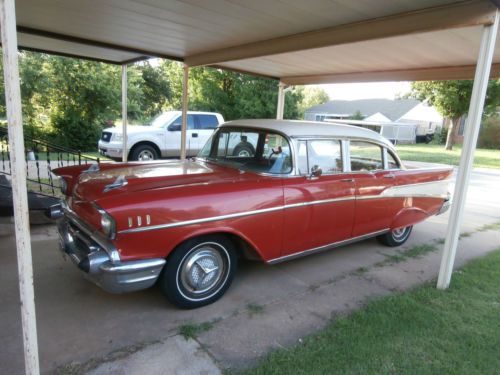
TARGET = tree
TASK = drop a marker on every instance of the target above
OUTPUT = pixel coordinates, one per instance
(452, 98)
(311, 96)
(357, 115)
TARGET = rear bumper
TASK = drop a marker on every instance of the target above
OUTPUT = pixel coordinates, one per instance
(445, 207)
(99, 261)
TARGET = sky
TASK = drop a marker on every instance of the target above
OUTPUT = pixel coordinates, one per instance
(353, 91)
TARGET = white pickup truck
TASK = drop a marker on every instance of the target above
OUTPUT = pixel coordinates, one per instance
(162, 138)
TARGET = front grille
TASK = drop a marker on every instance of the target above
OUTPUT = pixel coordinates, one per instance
(106, 136)
(84, 245)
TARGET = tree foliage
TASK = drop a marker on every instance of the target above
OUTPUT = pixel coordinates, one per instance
(69, 101)
(452, 98)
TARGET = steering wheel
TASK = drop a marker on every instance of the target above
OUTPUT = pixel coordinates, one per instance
(274, 151)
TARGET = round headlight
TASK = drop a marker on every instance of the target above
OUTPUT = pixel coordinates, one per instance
(107, 225)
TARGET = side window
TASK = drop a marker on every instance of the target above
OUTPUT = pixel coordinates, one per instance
(391, 161)
(326, 154)
(207, 122)
(190, 122)
(365, 156)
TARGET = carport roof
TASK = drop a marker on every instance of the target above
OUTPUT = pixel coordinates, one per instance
(299, 42)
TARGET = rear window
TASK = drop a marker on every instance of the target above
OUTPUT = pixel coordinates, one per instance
(365, 156)
(207, 121)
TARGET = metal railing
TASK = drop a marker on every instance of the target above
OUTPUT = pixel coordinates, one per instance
(42, 157)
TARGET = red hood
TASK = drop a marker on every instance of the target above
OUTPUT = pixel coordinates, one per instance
(140, 177)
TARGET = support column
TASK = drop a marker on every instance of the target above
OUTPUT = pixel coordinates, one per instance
(281, 101)
(19, 191)
(472, 126)
(185, 89)
(124, 113)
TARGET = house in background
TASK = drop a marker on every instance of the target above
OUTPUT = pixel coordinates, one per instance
(404, 111)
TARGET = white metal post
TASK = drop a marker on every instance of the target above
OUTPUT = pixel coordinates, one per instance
(480, 86)
(185, 89)
(124, 113)
(19, 191)
(281, 101)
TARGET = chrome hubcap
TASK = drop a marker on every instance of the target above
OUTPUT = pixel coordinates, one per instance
(399, 233)
(146, 155)
(202, 270)
(244, 153)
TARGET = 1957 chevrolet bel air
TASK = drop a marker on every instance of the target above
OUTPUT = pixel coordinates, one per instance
(260, 189)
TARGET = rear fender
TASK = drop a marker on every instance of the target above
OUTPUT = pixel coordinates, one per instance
(408, 216)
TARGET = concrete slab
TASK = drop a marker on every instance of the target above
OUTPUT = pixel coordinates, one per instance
(78, 322)
(174, 356)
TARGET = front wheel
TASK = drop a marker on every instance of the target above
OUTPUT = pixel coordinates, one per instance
(144, 153)
(199, 271)
(395, 237)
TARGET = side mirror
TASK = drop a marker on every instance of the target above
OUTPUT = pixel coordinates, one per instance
(316, 171)
(174, 127)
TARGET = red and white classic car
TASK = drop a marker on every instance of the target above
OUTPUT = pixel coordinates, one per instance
(260, 189)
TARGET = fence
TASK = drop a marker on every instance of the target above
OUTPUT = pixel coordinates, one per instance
(41, 158)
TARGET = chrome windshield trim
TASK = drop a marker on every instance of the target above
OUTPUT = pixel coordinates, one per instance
(234, 215)
(326, 247)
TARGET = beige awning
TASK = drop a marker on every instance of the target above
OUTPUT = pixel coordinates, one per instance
(299, 42)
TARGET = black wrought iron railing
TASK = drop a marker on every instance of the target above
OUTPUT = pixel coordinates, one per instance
(41, 158)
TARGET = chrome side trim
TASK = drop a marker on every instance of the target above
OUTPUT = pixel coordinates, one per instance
(235, 215)
(392, 192)
(326, 247)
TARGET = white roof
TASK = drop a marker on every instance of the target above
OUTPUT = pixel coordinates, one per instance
(297, 129)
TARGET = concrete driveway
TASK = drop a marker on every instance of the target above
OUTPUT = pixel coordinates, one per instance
(266, 307)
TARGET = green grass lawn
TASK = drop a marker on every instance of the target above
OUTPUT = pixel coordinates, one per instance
(437, 154)
(423, 331)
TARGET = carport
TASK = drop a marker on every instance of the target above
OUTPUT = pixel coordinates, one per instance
(294, 42)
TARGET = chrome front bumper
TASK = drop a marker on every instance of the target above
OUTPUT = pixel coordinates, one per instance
(100, 262)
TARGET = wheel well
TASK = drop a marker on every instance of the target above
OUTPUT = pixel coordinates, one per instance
(145, 143)
(243, 247)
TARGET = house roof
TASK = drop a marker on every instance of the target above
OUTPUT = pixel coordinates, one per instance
(392, 109)
(298, 42)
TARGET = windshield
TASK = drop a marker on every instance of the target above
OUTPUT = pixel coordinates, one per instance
(163, 119)
(249, 149)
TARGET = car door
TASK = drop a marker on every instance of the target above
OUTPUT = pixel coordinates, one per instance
(319, 210)
(374, 211)
(173, 137)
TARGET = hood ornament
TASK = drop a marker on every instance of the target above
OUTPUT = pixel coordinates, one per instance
(92, 168)
(119, 182)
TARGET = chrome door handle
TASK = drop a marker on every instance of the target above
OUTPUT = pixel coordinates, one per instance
(347, 180)
(389, 176)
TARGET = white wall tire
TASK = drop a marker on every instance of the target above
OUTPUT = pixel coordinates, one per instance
(199, 271)
(396, 237)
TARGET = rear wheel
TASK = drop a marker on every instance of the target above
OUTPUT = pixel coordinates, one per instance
(199, 271)
(395, 237)
(144, 153)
